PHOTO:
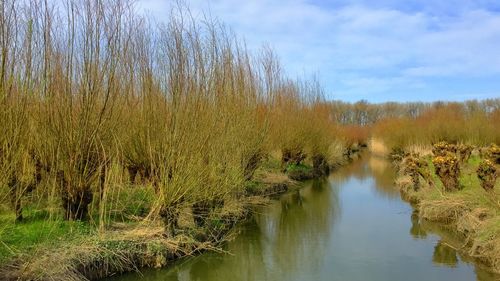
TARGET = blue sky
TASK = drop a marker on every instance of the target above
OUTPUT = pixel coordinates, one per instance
(380, 51)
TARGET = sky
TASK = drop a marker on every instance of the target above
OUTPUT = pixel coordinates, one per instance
(385, 50)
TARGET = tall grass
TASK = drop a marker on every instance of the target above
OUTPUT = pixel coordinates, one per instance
(97, 101)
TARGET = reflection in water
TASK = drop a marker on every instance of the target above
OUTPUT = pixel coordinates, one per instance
(351, 226)
(444, 254)
(417, 230)
(297, 228)
(356, 169)
(286, 240)
(384, 174)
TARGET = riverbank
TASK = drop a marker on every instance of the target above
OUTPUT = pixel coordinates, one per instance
(129, 246)
(470, 211)
(352, 225)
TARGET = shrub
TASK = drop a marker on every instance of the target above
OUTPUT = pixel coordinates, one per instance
(442, 148)
(493, 153)
(448, 170)
(487, 174)
(465, 151)
(416, 168)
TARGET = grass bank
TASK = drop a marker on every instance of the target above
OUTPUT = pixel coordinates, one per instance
(39, 248)
(469, 210)
(114, 124)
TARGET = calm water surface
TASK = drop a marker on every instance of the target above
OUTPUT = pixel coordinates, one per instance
(351, 226)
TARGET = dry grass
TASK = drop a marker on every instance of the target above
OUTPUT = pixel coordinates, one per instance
(405, 184)
(274, 178)
(479, 226)
(444, 210)
(420, 150)
(471, 211)
(125, 247)
(487, 244)
(112, 252)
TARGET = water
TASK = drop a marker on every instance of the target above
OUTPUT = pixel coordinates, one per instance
(351, 226)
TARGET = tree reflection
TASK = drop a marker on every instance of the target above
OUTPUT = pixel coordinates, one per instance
(384, 174)
(417, 230)
(444, 254)
(288, 239)
(357, 169)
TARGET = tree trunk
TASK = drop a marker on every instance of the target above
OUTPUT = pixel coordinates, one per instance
(320, 165)
(76, 200)
(76, 204)
(170, 217)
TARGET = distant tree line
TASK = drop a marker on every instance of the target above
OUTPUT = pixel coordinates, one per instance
(363, 113)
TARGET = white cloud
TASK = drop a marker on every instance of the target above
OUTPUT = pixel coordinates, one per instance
(384, 48)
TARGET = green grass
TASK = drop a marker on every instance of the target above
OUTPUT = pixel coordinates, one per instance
(253, 187)
(270, 165)
(473, 211)
(471, 190)
(131, 201)
(438, 185)
(16, 238)
(468, 177)
(298, 168)
(474, 160)
(40, 229)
